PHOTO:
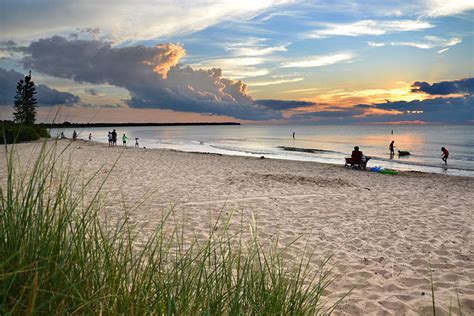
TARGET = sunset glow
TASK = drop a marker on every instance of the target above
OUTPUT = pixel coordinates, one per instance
(254, 61)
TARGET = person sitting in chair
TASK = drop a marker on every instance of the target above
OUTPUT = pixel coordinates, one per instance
(356, 155)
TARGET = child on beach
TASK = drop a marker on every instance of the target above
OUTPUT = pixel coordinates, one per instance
(445, 155)
(124, 140)
(109, 136)
(390, 147)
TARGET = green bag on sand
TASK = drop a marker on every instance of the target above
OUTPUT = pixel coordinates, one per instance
(387, 171)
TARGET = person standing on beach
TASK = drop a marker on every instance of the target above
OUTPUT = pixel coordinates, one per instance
(136, 142)
(74, 135)
(390, 147)
(293, 135)
(114, 138)
(124, 140)
(445, 155)
(109, 136)
(90, 136)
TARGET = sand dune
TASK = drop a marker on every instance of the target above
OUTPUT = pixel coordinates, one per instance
(382, 231)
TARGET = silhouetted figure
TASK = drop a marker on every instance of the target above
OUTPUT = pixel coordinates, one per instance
(293, 135)
(110, 138)
(392, 131)
(62, 135)
(114, 138)
(390, 147)
(356, 154)
(445, 155)
(90, 136)
(136, 142)
(74, 135)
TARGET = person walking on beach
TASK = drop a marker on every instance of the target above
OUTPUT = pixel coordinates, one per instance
(390, 147)
(293, 135)
(136, 142)
(445, 155)
(74, 135)
(114, 138)
(124, 140)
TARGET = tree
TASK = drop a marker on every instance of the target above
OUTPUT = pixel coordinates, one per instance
(25, 102)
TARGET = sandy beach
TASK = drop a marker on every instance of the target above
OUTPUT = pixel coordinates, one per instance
(382, 231)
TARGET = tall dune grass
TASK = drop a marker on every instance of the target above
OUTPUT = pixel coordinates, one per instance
(57, 257)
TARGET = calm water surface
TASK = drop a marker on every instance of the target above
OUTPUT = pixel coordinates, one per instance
(325, 143)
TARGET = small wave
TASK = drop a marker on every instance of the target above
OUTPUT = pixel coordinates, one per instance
(241, 150)
(307, 150)
(420, 164)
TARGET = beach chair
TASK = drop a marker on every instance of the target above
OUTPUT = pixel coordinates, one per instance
(360, 164)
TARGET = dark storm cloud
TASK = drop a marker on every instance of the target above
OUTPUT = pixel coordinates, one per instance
(447, 110)
(430, 105)
(152, 75)
(45, 95)
(283, 104)
(463, 86)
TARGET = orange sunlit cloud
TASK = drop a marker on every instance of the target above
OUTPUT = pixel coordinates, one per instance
(168, 56)
(349, 98)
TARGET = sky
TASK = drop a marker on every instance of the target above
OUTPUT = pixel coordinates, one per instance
(249, 61)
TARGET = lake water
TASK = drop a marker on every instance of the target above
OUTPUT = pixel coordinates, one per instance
(323, 143)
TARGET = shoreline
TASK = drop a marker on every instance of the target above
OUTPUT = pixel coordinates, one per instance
(386, 234)
(270, 158)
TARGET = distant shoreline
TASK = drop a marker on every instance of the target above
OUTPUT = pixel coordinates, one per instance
(82, 125)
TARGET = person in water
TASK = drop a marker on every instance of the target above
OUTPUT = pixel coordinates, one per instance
(74, 135)
(124, 140)
(390, 147)
(90, 136)
(445, 155)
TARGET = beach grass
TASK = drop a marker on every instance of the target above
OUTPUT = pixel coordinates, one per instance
(58, 257)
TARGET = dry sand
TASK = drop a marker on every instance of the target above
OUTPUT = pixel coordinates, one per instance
(382, 231)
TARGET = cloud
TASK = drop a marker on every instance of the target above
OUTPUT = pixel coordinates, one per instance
(7, 44)
(45, 95)
(125, 20)
(284, 104)
(273, 82)
(375, 44)
(431, 42)
(447, 110)
(319, 61)
(460, 109)
(152, 75)
(462, 86)
(445, 8)
(236, 67)
(368, 27)
(91, 91)
(443, 50)
(333, 113)
(253, 46)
